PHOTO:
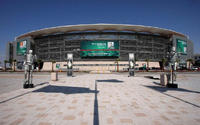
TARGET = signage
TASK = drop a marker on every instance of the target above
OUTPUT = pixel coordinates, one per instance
(103, 48)
(21, 47)
(181, 46)
(57, 66)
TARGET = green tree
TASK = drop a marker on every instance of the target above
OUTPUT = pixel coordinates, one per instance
(39, 64)
(136, 59)
(191, 61)
(177, 60)
(14, 63)
(117, 61)
(5, 62)
(147, 60)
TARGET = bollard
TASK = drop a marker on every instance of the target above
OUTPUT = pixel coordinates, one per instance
(163, 79)
(54, 76)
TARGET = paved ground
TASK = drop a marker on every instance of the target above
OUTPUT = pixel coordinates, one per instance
(13, 81)
(99, 99)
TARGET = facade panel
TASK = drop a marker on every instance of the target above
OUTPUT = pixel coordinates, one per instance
(56, 47)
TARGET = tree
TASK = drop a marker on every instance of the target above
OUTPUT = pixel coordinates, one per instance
(117, 61)
(14, 62)
(39, 64)
(52, 65)
(136, 59)
(147, 60)
(5, 62)
(191, 61)
(177, 61)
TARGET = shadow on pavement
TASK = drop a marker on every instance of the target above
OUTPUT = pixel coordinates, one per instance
(110, 80)
(23, 93)
(74, 90)
(156, 83)
(164, 89)
(151, 77)
(96, 109)
(15, 97)
(64, 89)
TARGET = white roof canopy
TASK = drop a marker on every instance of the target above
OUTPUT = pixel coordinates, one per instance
(101, 27)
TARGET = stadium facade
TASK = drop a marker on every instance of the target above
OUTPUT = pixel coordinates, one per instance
(101, 42)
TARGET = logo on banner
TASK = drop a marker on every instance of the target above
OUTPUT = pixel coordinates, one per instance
(111, 45)
(22, 44)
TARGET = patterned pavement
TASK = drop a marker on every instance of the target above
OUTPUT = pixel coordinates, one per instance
(100, 99)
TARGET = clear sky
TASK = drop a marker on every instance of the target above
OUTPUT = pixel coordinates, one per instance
(22, 16)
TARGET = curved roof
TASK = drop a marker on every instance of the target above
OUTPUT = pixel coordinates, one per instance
(101, 27)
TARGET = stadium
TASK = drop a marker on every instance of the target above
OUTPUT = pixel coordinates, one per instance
(100, 45)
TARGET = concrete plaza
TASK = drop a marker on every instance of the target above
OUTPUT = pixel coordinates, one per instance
(101, 99)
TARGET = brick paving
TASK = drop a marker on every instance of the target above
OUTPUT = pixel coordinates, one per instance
(100, 99)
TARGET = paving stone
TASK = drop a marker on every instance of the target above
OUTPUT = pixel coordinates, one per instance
(69, 117)
(156, 123)
(84, 123)
(126, 121)
(71, 107)
(41, 108)
(164, 118)
(45, 123)
(17, 122)
(109, 120)
(73, 100)
(41, 115)
(140, 115)
(8, 116)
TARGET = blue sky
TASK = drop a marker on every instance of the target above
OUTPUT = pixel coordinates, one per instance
(21, 16)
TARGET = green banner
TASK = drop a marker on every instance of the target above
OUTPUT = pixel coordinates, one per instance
(104, 48)
(21, 47)
(181, 46)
